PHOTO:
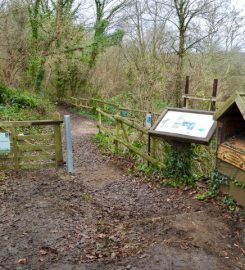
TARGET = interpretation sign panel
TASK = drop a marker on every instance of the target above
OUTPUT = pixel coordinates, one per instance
(185, 125)
(189, 124)
(4, 143)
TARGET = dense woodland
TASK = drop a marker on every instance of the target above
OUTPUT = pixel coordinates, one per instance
(134, 51)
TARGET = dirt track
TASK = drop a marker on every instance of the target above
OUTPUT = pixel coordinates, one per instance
(103, 218)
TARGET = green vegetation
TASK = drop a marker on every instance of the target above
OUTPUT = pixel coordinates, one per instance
(89, 114)
(179, 163)
(230, 203)
(105, 143)
(213, 189)
(18, 105)
(216, 181)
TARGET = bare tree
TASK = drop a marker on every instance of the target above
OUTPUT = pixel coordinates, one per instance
(106, 10)
(233, 29)
(189, 14)
(3, 5)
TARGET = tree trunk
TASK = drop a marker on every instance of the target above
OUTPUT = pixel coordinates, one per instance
(180, 69)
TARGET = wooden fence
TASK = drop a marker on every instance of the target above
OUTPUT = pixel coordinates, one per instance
(209, 102)
(34, 144)
(121, 136)
(109, 107)
(125, 131)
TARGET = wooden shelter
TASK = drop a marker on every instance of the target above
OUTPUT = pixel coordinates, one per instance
(231, 145)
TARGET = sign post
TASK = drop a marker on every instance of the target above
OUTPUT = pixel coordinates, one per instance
(148, 120)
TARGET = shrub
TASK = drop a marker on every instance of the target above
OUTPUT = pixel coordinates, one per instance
(22, 99)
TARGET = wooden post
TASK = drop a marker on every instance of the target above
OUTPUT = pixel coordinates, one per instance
(58, 141)
(125, 135)
(154, 146)
(124, 132)
(149, 147)
(214, 95)
(117, 137)
(187, 86)
(15, 149)
(99, 121)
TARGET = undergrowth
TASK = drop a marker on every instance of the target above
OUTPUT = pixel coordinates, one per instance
(215, 182)
(105, 143)
(17, 104)
(179, 164)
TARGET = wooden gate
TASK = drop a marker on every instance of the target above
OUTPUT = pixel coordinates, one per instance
(33, 144)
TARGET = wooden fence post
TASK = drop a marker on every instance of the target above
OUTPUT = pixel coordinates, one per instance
(117, 137)
(58, 141)
(154, 146)
(15, 149)
(99, 121)
(187, 86)
(125, 132)
(149, 148)
(214, 95)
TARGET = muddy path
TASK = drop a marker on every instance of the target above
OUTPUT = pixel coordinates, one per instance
(104, 218)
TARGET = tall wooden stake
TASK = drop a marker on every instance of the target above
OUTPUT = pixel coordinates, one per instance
(99, 121)
(187, 86)
(58, 141)
(214, 95)
(117, 137)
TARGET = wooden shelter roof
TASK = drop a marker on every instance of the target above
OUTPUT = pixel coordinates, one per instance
(238, 99)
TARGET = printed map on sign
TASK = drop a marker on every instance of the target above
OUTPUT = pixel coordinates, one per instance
(185, 123)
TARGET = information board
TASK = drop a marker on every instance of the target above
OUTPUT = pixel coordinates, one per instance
(185, 125)
(4, 143)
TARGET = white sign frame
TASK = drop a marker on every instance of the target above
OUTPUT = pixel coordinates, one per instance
(185, 125)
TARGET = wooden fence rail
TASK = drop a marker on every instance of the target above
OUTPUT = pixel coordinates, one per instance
(108, 107)
(121, 136)
(34, 144)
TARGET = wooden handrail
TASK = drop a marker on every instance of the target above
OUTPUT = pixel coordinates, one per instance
(187, 96)
(136, 110)
(30, 123)
(141, 154)
(105, 114)
(131, 124)
(105, 102)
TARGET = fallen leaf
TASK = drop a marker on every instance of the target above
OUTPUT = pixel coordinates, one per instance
(143, 256)
(90, 257)
(43, 252)
(102, 235)
(113, 255)
(22, 261)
